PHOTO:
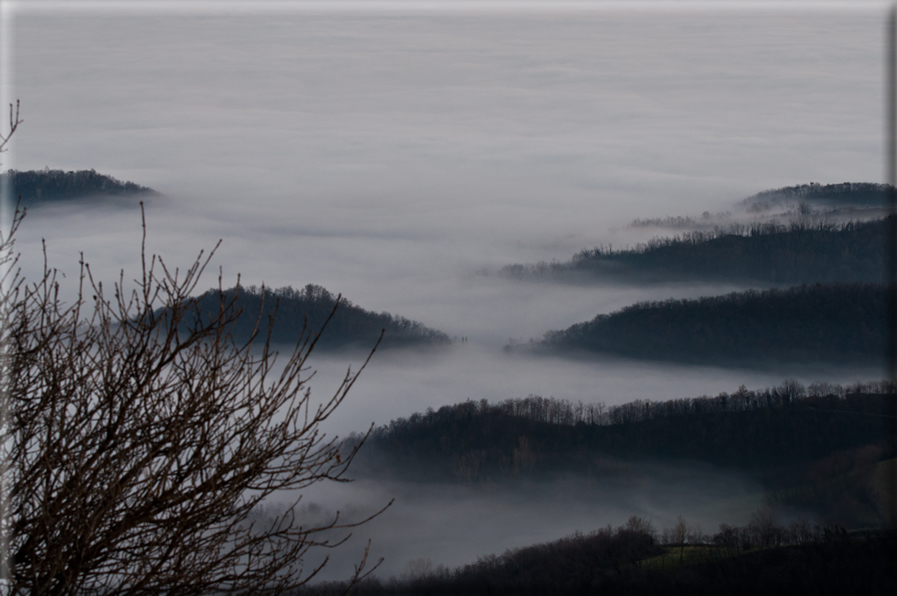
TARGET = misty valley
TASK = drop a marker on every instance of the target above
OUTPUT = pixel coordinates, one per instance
(605, 487)
(430, 297)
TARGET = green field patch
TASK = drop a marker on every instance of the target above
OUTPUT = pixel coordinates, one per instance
(674, 558)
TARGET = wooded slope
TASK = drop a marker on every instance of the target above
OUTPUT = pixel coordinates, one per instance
(40, 186)
(767, 253)
(290, 312)
(756, 430)
(840, 323)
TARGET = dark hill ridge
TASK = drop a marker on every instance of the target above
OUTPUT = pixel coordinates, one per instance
(766, 253)
(798, 560)
(43, 186)
(351, 325)
(807, 324)
(749, 429)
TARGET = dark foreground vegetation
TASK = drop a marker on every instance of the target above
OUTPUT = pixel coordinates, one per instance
(806, 324)
(761, 558)
(42, 186)
(771, 253)
(819, 448)
(297, 311)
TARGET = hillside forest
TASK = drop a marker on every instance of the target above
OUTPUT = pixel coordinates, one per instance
(37, 187)
(290, 315)
(834, 323)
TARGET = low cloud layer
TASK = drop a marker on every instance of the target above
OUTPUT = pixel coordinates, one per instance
(392, 157)
(453, 525)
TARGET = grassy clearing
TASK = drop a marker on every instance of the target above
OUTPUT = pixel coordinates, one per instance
(677, 557)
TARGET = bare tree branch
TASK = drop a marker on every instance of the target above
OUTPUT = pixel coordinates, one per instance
(14, 122)
(141, 440)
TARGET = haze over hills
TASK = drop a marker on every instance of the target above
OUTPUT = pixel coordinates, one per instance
(846, 195)
(772, 435)
(393, 154)
(757, 253)
(816, 450)
(36, 187)
(804, 203)
(800, 234)
(838, 318)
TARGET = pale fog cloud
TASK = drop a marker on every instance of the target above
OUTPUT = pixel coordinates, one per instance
(390, 156)
(455, 524)
(346, 108)
(396, 384)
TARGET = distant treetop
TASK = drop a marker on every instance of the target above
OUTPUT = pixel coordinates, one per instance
(40, 186)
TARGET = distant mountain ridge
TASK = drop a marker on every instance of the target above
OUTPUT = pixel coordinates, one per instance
(44, 186)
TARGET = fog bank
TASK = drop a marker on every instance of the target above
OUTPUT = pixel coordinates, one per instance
(453, 525)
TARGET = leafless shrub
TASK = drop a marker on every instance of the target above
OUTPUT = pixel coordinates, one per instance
(140, 440)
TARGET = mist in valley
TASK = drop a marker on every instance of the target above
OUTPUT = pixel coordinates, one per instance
(402, 158)
(452, 525)
(488, 310)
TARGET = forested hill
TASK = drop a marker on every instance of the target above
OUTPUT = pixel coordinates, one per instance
(790, 437)
(750, 429)
(635, 559)
(780, 254)
(846, 194)
(806, 324)
(312, 305)
(40, 186)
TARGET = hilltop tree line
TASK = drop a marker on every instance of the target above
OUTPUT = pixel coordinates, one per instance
(564, 412)
(36, 186)
(796, 253)
(290, 312)
(818, 323)
(746, 428)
